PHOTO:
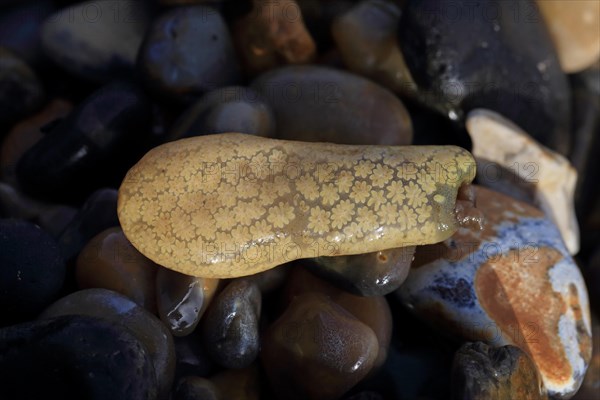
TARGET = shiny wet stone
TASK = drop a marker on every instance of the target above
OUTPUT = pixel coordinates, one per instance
(118, 309)
(230, 328)
(32, 272)
(72, 358)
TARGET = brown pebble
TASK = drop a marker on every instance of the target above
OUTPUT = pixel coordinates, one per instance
(195, 388)
(238, 384)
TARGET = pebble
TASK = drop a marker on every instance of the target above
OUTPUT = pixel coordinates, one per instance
(230, 328)
(239, 384)
(32, 273)
(21, 92)
(191, 356)
(195, 388)
(228, 109)
(504, 154)
(591, 271)
(182, 299)
(590, 386)
(574, 30)
(119, 309)
(188, 52)
(510, 282)
(290, 211)
(91, 148)
(366, 395)
(481, 372)
(373, 311)
(370, 274)
(27, 133)
(466, 55)
(109, 261)
(99, 212)
(98, 41)
(317, 350)
(366, 38)
(270, 280)
(74, 357)
(271, 35)
(320, 104)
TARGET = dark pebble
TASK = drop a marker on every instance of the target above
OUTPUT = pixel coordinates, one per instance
(96, 40)
(496, 55)
(195, 388)
(93, 147)
(191, 356)
(118, 309)
(74, 357)
(32, 273)
(230, 329)
(188, 52)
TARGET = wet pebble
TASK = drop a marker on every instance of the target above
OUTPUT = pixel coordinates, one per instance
(109, 261)
(93, 147)
(32, 273)
(271, 35)
(119, 309)
(319, 104)
(369, 274)
(481, 372)
(96, 40)
(317, 350)
(465, 55)
(195, 388)
(21, 92)
(228, 109)
(574, 30)
(230, 328)
(188, 52)
(510, 282)
(182, 299)
(74, 357)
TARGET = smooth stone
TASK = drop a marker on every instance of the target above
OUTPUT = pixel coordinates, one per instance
(239, 384)
(227, 109)
(32, 273)
(317, 350)
(96, 40)
(27, 133)
(119, 309)
(270, 280)
(271, 35)
(374, 312)
(366, 38)
(370, 274)
(574, 29)
(109, 261)
(512, 162)
(230, 328)
(91, 148)
(195, 388)
(510, 282)
(481, 372)
(320, 104)
(182, 299)
(192, 357)
(318, 17)
(20, 28)
(72, 358)
(590, 386)
(188, 52)
(465, 55)
(53, 218)
(240, 204)
(21, 92)
(99, 212)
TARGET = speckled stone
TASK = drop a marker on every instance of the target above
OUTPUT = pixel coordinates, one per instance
(319, 104)
(182, 299)
(317, 350)
(109, 261)
(228, 109)
(188, 52)
(230, 328)
(96, 40)
(118, 309)
(481, 372)
(575, 30)
(271, 35)
(512, 162)
(511, 282)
